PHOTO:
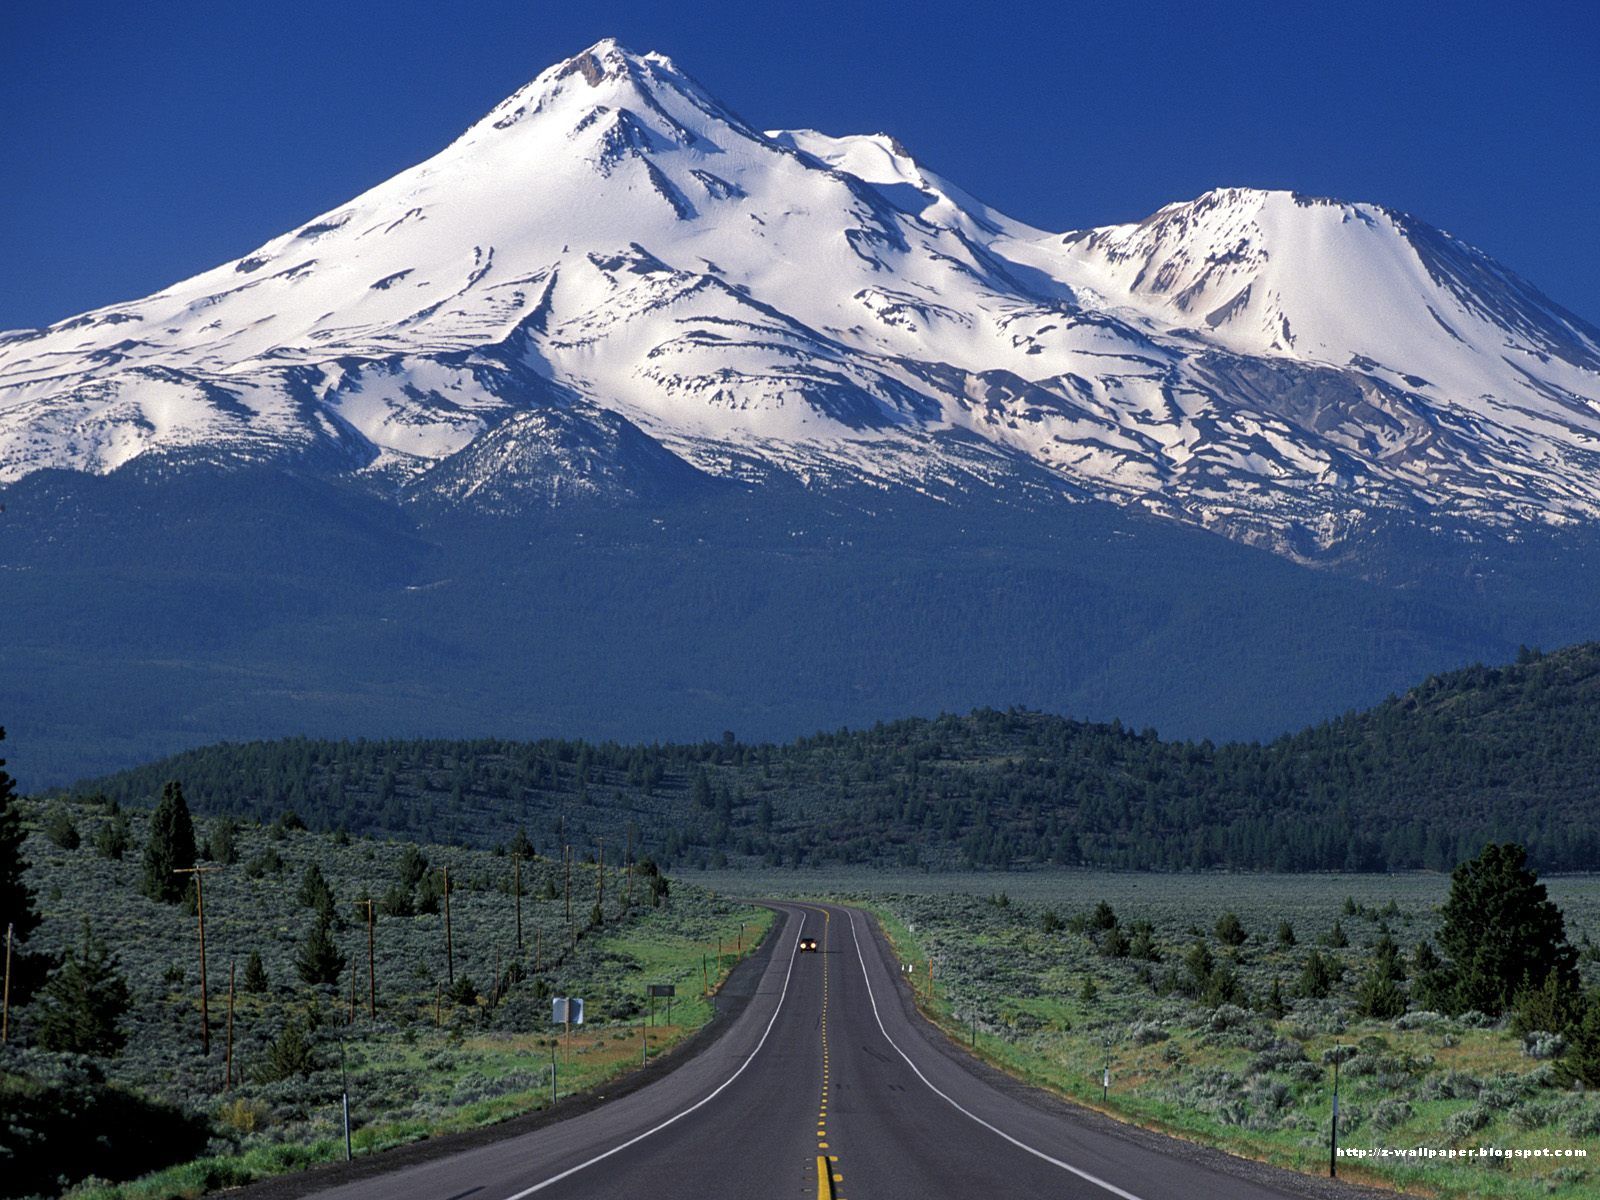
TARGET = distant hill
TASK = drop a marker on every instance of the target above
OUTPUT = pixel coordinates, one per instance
(1419, 781)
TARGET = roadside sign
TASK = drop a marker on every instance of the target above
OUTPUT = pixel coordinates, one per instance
(663, 989)
(566, 1010)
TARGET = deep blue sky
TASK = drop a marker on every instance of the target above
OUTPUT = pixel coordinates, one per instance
(145, 142)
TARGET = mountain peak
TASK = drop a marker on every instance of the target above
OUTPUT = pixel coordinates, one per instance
(611, 235)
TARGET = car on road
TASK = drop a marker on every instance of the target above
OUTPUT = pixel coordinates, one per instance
(808, 945)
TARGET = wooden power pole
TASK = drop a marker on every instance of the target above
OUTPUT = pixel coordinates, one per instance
(227, 1078)
(372, 959)
(516, 890)
(627, 901)
(566, 871)
(449, 950)
(200, 874)
(600, 880)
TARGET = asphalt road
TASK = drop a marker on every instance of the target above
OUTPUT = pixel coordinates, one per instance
(827, 1085)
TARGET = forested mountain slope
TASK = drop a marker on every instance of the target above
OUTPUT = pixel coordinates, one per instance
(1421, 780)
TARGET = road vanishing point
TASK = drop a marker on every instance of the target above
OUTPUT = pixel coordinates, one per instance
(828, 1085)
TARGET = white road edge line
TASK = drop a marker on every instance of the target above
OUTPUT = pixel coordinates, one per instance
(1065, 1166)
(701, 1103)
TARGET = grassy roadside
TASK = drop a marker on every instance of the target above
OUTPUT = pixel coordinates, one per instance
(583, 1060)
(460, 1036)
(1239, 1080)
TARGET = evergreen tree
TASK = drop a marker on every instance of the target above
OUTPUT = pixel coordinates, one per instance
(255, 974)
(413, 866)
(81, 1008)
(114, 836)
(1581, 1064)
(1276, 1004)
(222, 845)
(1143, 946)
(1550, 1008)
(319, 960)
(1199, 964)
(1114, 943)
(59, 827)
(1316, 977)
(522, 845)
(1230, 930)
(1386, 959)
(315, 893)
(1501, 932)
(1286, 936)
(289, 1054)
(1378, 995)
(170, 848)
(16, 898)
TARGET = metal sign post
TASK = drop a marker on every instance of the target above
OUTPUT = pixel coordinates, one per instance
(665, 990)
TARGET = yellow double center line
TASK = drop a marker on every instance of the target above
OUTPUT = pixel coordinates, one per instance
(827, 1164)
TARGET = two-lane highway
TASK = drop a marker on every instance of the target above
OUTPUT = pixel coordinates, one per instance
(828, 1086)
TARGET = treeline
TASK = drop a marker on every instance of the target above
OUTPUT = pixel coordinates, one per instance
(1423, 780)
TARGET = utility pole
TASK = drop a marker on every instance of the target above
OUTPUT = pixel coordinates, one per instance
(627, 902)
(516, 890)
(449, 949)
(5, 1004)
(566, 871)
(538, 946)
(600, 880)
(200, 874)
(227, 1079)
(372, 959)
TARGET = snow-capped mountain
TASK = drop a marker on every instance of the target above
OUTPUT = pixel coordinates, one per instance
(612, 285)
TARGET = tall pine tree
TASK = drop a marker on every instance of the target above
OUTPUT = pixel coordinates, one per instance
(16, 900)
(170, 848)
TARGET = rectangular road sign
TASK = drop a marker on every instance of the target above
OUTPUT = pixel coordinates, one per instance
(566, 1010)
(663, 989)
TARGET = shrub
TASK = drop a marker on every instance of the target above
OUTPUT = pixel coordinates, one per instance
(1539, 1044)
(1146, 1033)
(1390, 1114)
(1463, 1124)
